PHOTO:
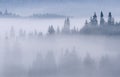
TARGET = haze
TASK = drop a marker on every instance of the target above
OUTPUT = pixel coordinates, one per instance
(81, 8)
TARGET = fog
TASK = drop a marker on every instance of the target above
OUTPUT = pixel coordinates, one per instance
(42, 55)
(30, 25)
(32, 46)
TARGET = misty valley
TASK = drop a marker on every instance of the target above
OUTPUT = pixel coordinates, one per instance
(60, 56)
(59, 38)
(59, 47)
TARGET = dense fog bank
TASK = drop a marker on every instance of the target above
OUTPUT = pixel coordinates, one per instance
(62, 55)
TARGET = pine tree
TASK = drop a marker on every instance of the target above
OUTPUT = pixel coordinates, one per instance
(37, 68)
(102, 21)
(50, 67)
(70, 63)
(51, 30)
(105, 65)
(74, 31)
(110, 19)
(93, 20)
(89, 65)
(66, 28)
(12, 32)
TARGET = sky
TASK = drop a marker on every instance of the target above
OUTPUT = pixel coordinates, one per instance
(77, 8)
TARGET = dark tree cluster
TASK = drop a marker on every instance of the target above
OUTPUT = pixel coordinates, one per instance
(94, 21)
(109, 27)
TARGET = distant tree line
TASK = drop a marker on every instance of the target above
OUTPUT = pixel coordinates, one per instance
(8, 14)
(94, 21)
(109, 27)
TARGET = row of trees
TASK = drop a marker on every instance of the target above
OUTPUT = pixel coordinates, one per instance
(94, 21)
(51, 31)
(109, 27)
(22, 33)
(66, 28)
(7, 14)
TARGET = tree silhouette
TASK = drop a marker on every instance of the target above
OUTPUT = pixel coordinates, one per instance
(89, 66)
(12, 32)
(110, 19)
(105, 66)
(50, 64)
(51, 30)
(37, 69)
(12, 61)
(70, 64)
(102, 21)
(66, 28)
(94, 20)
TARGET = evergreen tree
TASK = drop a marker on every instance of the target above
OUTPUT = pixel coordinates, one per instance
(105, 66)
(51, 30)
(102, 21)
(12, 32)
(50, 69)
(74, 31)
(89, 66)
(93, 20)
(110, 19)
(66, 28)
(37, 69)
(70, 64)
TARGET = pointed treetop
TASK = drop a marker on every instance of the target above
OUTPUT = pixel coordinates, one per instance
(95, 16)
(101, 15)
(110, 15)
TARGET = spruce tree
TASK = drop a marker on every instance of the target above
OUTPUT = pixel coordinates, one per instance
(110, 19)
(102, 21)
(51, 30)
(94, 20)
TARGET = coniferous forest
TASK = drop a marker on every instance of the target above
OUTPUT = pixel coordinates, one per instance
(59, 38)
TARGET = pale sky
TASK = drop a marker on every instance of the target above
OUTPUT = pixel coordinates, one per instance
(81, 8)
